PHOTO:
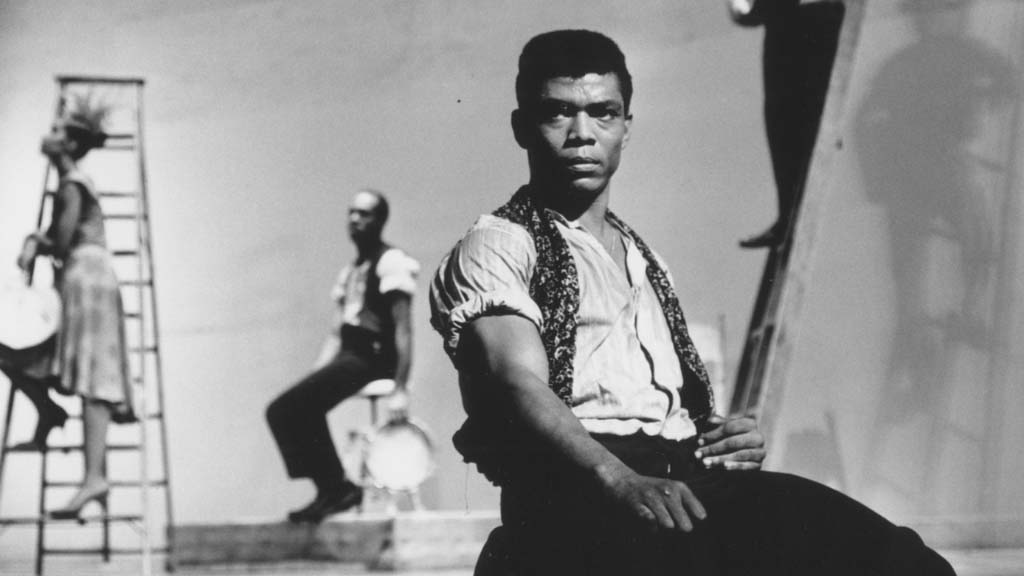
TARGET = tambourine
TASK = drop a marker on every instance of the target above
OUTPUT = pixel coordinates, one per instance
(399, 456)
(29, 318)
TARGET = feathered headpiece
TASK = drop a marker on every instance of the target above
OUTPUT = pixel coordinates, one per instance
(87, 115)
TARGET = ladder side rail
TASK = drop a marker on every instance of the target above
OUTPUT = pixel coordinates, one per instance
(747, 375)
(147, 251)
(141, 222)
(46, 197)
(41, 519)
(818, 183)
(5, 433)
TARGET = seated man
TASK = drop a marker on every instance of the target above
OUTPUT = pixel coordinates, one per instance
(586, 400)
(371, 340)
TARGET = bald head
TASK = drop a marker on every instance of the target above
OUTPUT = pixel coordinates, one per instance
(367, 214)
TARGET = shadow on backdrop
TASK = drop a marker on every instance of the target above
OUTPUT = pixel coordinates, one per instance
(935, 142)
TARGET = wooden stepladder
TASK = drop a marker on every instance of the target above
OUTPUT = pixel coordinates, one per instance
(119, 170)
(774, 321)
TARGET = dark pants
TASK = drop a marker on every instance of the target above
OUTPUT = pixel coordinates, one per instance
(298, 417)
(758, 523)
(800, 44)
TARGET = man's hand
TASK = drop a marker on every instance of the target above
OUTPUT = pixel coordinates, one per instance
(733, 444)
(658, 503)
(398, 404)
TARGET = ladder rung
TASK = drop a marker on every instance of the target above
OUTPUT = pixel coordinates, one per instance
(21, 450)
(136, 282)
(25, 520)
(144, 349)
(152, 416)
(78, 447)
(99, 518)
(132, 315)
(90, 551)
(122, 216)
(19, 520)
(65, 79)
(124, 252)
(103, 194)
(157, 483)
(119, 146)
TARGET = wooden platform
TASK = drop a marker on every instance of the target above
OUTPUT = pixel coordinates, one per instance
(424, 540)
(451, 540)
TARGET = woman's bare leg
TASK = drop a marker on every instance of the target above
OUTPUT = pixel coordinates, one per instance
(96, 420)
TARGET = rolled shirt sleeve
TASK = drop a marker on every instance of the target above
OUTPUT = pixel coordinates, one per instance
(397, 272)
(488, 272)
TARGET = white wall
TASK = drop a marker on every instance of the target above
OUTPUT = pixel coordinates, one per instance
(912, 318)
(263, 117)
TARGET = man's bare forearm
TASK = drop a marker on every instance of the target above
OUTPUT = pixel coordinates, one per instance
(506, 360)
(508, 363)
(401, 311)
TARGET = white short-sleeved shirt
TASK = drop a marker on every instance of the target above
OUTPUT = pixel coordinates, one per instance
(626, 373)
(397, 272)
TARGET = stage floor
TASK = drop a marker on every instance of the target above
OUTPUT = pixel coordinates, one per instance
(980, 562)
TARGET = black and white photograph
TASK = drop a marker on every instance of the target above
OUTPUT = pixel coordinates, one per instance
(511, 288)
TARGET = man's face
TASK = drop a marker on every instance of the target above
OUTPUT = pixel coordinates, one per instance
(576, 132)
(363, 221)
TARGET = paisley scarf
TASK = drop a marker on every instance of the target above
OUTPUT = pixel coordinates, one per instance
(556, 290)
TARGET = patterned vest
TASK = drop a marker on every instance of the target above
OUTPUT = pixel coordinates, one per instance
(495, 445)
(555, 288)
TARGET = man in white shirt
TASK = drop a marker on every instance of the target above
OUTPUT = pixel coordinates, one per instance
(372, 339)
(586, 400)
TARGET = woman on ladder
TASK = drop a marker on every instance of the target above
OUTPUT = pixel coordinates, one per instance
(90, 357)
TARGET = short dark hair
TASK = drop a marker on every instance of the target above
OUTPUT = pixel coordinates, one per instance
(570, 53)
(383, 210)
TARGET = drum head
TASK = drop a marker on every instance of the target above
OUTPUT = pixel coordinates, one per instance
(400, 456)
(29, 315)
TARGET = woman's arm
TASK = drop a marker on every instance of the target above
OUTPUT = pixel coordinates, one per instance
(67, 210)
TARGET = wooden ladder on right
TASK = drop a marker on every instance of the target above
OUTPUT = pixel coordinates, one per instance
(764, 366)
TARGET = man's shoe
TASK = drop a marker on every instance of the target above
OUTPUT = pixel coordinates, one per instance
(327, 505)
(770, 238)
(300, 514)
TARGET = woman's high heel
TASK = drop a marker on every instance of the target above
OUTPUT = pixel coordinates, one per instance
(73, 510)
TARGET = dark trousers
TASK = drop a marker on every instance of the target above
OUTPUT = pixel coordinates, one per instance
(758, 523)
(800, 45)
(298, 417)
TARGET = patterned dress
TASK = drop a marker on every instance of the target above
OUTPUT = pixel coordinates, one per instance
(90, 358)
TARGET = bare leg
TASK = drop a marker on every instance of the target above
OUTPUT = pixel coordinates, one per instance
(96, 420)
(800, 43)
